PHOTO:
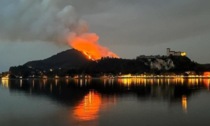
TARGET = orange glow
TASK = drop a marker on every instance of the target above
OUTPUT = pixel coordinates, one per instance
(88, 44)
(184, 103)
(88, 55)
(206, 74)
(206, 83)
(89, 108)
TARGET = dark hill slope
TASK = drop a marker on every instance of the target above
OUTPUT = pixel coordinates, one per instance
(57, 64)
(67, 59)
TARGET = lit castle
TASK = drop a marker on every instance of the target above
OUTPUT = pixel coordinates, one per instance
(174, 53)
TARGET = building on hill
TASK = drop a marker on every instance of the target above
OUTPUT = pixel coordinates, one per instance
(175, 53)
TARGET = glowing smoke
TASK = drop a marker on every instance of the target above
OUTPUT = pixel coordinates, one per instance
(87, 43)
(45, 20)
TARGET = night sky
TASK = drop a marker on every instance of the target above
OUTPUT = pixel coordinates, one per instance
(36, 29)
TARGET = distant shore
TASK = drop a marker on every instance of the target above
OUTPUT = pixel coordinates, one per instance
(113, 77)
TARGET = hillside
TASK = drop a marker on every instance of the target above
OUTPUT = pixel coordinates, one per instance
(72, 62)
(153, 64)
(67, 59)
(206, 66)
(61, 62)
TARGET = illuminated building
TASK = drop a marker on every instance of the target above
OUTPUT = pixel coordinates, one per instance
(175, 53)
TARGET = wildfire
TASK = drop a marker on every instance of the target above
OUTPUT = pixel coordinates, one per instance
(88, 56)
(88, 44)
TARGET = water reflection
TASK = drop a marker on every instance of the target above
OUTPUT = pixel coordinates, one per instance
(5, 83)
(89, 107)
(190, 81)
(142, 87)
(184, 103)
(90, 97)
(207, 83)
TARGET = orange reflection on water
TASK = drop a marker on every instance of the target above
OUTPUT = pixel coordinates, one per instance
(184, 103)
(89, 108)
(206, 74)
(206, 83)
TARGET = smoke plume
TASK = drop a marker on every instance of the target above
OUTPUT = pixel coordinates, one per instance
(45, 20)
(29, 20)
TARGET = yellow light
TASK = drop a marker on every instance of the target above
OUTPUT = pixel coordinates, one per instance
(126, 76)
(5, 77)
(183, 54)
(5, 82)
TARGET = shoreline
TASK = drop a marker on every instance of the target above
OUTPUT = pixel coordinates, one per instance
(104, 78)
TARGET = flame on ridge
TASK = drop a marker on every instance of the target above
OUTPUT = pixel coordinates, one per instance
(88, 44)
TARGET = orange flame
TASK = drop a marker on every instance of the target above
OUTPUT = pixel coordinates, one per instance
(88, 44)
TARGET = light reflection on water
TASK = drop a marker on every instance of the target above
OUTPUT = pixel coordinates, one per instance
(88, 108)
(94, 102)
(190, 81)
(184, 103)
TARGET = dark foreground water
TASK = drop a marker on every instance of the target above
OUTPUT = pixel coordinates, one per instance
(111, 102)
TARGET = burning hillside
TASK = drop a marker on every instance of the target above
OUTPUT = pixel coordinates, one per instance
(49, 21)
(88, 44)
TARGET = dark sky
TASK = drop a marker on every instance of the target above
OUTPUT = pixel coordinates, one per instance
(31, 30)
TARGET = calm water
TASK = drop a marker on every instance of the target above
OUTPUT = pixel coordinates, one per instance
(113, 102)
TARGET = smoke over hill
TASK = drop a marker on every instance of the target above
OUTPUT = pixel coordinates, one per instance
(46, 20)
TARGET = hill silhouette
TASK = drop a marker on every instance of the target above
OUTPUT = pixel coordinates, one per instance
(73, 62)
(67, 59)
(57, 64)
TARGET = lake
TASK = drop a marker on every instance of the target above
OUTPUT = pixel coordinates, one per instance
(105, 102)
